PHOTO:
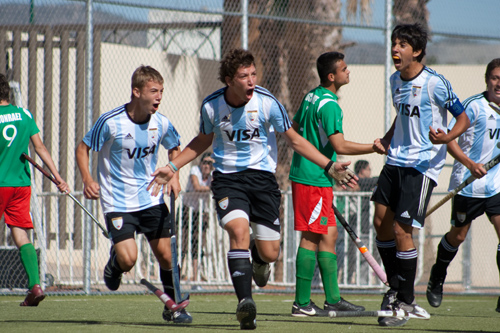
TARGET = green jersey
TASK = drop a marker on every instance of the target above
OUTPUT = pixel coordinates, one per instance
(16, 128)
(319, 116)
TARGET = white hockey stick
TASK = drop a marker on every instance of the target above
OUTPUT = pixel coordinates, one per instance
(380, 313)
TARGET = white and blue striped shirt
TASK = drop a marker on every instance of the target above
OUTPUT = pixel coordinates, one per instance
(244, 137)
(479, 143)
(420, 103)
(128, 153)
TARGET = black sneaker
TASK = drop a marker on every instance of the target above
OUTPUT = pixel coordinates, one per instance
(112, 276)
(178, 317)
(246, 313)
(343, 305)
(260, 273)
(310, 310)
(388, 304)
(498, 305)
(434, 291)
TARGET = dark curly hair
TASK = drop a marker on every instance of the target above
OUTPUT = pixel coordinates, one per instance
(233, 60)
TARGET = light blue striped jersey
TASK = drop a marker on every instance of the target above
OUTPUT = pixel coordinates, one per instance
(244, 137)
(479, 143)
(128, 153)
(420, 103)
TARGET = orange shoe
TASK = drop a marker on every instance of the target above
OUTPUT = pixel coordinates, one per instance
(35, 296)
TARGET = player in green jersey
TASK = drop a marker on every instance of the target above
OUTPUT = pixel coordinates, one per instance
(319, 120)
(17, 128)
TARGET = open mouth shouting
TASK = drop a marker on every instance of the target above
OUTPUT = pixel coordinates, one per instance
(396, 60)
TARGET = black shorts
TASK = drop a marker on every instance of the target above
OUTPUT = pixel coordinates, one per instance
(465, 209)
(153, 222)
(406, 192)
(253, 191)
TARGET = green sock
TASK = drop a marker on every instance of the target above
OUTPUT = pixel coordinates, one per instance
(29, 259)
(304, 265)
(327, 262)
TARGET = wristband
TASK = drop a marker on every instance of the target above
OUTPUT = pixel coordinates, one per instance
(173, 166)
(328, 166)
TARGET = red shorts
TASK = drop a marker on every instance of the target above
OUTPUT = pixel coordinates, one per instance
(15, 203)
(312, 208)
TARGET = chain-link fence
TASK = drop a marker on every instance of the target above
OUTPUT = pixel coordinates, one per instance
(67, 80)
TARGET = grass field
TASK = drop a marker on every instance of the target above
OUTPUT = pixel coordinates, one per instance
(142, 313)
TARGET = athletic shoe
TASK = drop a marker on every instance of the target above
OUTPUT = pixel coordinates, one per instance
(35, 296)
(246, 313)
(343, 305)
(178, 317)
(387, 304)
(310, 310)
(498, 305)
(412, 308)
(261, 273)
(112, 278)
(435, 289)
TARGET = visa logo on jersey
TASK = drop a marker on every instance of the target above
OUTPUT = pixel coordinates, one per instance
(242, 135)
(494, 133)
(139, 152)
(404, 109)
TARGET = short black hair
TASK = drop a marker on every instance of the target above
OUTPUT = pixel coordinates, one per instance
(4, 88)
(327, 63)
(413, 34)
(360, 165)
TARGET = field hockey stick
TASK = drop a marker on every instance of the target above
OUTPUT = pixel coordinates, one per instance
(494, 161)
(361, 247)
(380, 313)
(49, 176)
(171, 305)
(173, 246)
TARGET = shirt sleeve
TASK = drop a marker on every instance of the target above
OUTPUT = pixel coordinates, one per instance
(97, 136)
(206, 120)
(331, 116)
(171, 139)
(279, 117)
(446, 98)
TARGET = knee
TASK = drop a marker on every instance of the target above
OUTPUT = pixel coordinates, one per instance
(269, 253)
(240, 238)
(165, 261)
(127, 262)
(270, 257)
(456, 240)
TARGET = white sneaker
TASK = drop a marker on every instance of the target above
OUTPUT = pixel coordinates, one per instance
(414, 309)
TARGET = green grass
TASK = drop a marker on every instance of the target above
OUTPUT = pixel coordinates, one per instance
(142, 313)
